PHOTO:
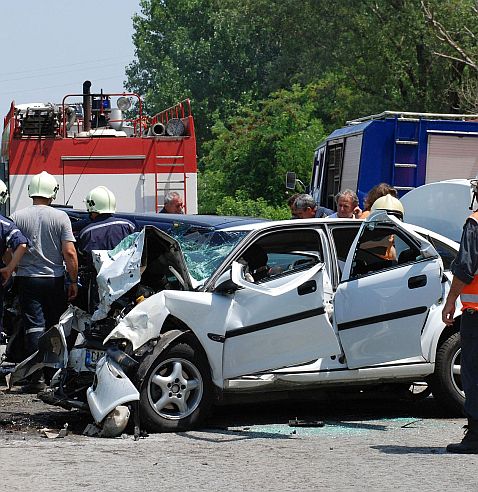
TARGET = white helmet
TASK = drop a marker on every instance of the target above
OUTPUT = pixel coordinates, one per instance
(390, 204)
(3, 192)
(101, 200)
(44, 185)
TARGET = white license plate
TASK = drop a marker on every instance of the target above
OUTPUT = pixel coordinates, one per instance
(92, 357)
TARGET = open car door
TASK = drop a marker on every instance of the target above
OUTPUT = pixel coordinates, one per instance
(391, 279)
(281, 320)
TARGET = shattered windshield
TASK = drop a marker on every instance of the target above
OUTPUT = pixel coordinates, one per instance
(204, 249)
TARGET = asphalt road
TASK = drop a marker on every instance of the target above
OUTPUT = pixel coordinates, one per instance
(370, 444)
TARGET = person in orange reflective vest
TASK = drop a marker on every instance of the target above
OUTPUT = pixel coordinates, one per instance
(465, 285)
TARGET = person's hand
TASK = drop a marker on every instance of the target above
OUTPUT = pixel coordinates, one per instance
(72, 291)
(448, 312)
(6, 273)
(357, 212)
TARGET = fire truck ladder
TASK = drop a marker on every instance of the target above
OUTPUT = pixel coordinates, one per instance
(167, 165)
(406, 152)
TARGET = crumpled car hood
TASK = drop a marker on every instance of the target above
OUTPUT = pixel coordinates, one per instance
(121, 268)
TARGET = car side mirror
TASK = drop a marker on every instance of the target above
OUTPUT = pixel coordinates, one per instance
(237, 274)
(290, 180)
(427, 252)
(224, 283)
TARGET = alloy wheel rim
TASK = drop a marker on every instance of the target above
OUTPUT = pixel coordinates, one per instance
(175, 388)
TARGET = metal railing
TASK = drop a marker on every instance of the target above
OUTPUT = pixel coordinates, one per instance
(413, 116)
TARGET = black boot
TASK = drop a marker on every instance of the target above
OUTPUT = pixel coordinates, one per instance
(34, 384)
(469, 443)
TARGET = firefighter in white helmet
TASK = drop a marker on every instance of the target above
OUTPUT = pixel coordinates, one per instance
(465, 286)
(13, 245)
(392, 205)
(41, 271)
(105, 230)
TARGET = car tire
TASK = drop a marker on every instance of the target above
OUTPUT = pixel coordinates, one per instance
(446, 380)
(176, 393)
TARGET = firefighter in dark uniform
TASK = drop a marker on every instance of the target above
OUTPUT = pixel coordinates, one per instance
(104, 232)
(465, 285)
(13, 245)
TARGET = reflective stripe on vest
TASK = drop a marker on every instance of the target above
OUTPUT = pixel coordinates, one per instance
(469, 295)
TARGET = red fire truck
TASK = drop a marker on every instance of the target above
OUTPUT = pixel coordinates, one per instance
(85, 142)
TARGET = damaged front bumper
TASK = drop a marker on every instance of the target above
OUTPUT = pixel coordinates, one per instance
(111, 388)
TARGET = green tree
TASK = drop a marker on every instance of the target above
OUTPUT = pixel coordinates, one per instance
(382, 54)
(243, 206)
(252, 151)
(220, 53)
(244, 62)
(455, 25)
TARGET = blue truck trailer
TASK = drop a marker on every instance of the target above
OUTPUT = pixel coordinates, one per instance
(403, 149)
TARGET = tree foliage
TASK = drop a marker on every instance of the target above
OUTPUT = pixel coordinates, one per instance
(252, 151)
(455, 26)
(241, 205)
(266, 76)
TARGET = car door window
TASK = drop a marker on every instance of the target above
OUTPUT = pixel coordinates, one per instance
(343, 239)
(380, 248)
(280, 254)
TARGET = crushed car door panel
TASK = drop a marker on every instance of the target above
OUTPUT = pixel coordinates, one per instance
(390, 281)
(265, 331)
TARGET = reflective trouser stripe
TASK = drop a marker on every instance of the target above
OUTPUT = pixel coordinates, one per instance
(34, 330)
(469, 298)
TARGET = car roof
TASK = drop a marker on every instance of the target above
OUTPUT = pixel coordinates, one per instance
(214, 221)
(166, 221)
(221, 222)
(344, 222)
(295, 222)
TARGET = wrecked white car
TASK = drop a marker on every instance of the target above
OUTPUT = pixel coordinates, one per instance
(256, 307)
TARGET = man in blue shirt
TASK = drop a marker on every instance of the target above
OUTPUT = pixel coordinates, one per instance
(465, 286)
(305, 207)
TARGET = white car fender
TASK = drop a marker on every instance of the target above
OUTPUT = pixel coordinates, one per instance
(142, 323)
(432, 332)
(194, 309)
(432, 336)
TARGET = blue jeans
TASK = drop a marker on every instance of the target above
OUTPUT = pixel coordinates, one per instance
(469, 362)
(42, 301)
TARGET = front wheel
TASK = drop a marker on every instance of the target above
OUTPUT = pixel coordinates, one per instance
(176, 394)
(446, 383)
